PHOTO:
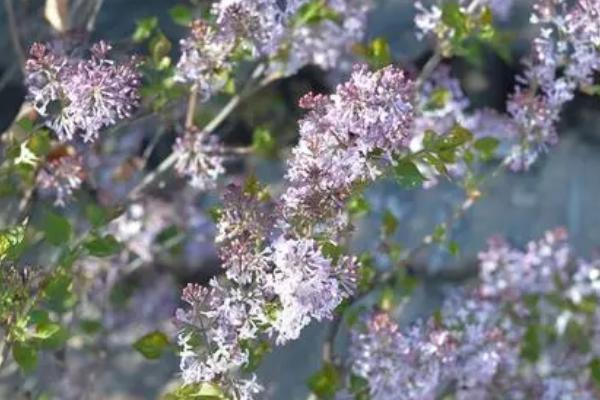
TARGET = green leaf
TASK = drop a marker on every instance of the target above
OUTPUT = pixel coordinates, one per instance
(387, 298)
(408, 175)
(457, 136)
(314, 12)
(359, 387)
(263, 142)
(454, 248)
(389, 223)
(595, 371)
(366, 274)
(438, 99)
(332, 250)
(59, 292)
(160, 46)
(26, 124)
(453, 17)
(181, 14)
(152, 345)
(256, 353)
(90, 326)
(326, 382)
(11, 240)
(56, 340)
(25, 355)
(144, 28)
(197, 391)
(531, 346)
(45, 330)
(486, 147)
(57, 229)
(358, 205)
(103, 246)
(96, 215)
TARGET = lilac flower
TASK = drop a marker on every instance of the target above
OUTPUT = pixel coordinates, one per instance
(61, 176)
(212, 330)
(244, 226)
(398, 365)
(306, 284)
(78, 96)
(199, 158)
(324, 43)
(277, 31)
(372, 112)
(510, 273)
(204, 59)
(262, 23)
(140, 225)
(475, 346)
(568, 40)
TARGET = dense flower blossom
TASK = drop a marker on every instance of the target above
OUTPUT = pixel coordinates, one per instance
(199, 157)
(244, 227)
(307, 285)
(62, 174)
(288, 34)
(204, 59)
(263, 23)
(81, 96)
(326, 42)
(341, 135)
(567, 41)
(273, 287)
(476, 345)
(218, 319)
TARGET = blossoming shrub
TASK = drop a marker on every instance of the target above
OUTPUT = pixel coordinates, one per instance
(525, 328)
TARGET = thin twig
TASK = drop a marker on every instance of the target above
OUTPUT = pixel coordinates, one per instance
(428, 69)
(168, 162)
(191, 108)
(327, 352)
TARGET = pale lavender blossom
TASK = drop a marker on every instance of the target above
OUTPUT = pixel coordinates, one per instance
(325, 43)
(307, 285)
(244, 227)
(199, 157)
(480, 333)
(565, 57)
(340, 136)
(81, 96)
(62, 175)
(204, 60)
(262, 23)
(212, 328)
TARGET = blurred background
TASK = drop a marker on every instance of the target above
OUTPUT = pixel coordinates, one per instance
(563, 189)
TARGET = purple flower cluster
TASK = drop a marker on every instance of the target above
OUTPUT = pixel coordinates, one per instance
(199, 157)
(269, 29)
(527, 305)
(347, 138)
(62, 174)
(274, 285)
(564, 57)
(204, 59)
(81, 96)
